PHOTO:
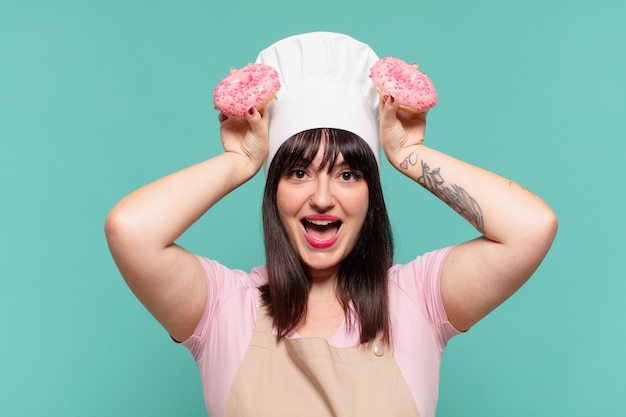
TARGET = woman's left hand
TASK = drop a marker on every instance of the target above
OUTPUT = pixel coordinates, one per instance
(399, 130)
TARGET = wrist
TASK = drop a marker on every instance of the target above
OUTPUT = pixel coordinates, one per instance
(240, 168)
(402, 158)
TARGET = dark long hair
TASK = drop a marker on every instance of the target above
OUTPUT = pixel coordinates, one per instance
(362, 277)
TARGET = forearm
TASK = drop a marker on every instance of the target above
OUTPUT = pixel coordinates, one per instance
(158, 213)
(498, 208)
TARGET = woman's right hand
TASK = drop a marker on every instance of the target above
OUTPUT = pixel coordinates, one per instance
(246, 136)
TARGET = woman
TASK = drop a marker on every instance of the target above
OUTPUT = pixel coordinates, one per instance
(328, 326)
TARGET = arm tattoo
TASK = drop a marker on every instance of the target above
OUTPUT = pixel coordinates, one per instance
(520, 186)
(409, 160)
(453, 195)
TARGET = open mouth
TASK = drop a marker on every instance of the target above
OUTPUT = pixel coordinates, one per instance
(321, 230)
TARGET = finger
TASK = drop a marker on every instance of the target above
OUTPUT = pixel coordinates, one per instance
(258, 121)
(222, 117)
(264, 112)
(388, 109)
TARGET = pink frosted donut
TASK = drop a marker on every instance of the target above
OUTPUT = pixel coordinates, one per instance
(253, 85)
(413, 90)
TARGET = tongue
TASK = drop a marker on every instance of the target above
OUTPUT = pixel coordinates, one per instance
(321, 232)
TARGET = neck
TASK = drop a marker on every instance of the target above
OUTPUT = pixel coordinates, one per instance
(324, 283)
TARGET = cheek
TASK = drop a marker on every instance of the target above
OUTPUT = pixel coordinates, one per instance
(280, 194)
(362, 215)
(283, 214)
(285, 206)
(360, 203)
(282, 202)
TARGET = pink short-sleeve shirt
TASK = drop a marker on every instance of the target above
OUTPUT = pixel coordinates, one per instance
(420, 328)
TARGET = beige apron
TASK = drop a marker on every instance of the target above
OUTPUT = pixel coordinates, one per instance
(308, 377)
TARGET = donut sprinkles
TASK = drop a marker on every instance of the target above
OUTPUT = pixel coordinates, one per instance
(413, 90)
(254, 85)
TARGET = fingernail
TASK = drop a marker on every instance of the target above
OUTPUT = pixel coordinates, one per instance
(251, 110)
(392, 99)
(385, 97)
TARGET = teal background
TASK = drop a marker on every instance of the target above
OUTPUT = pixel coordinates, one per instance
(99, 98)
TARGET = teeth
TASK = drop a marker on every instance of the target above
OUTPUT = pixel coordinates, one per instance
(321, 222)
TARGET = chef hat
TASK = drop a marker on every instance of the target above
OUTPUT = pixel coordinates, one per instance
(324, 83)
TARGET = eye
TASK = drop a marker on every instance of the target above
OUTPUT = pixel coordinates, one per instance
(297, 174)
(350, 175)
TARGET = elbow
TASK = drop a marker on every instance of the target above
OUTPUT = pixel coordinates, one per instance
(118, 229)
(126, 243)
(543, 230)
(534, 233)
(550, 225)
(113, 225)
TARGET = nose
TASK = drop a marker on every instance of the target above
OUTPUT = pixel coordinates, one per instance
(323, 198)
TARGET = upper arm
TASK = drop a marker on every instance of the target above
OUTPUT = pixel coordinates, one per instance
(479, 275)
(170, 282)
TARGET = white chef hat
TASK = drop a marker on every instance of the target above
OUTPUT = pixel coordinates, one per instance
(325, 82)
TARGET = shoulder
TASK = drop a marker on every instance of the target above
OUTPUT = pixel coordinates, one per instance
(415, 292)
(219, 275)
(427, 266)
(232, 293)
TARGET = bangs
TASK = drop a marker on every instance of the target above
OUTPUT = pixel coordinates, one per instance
(301, 149)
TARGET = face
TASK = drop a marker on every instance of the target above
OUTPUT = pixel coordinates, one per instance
(322, 212)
